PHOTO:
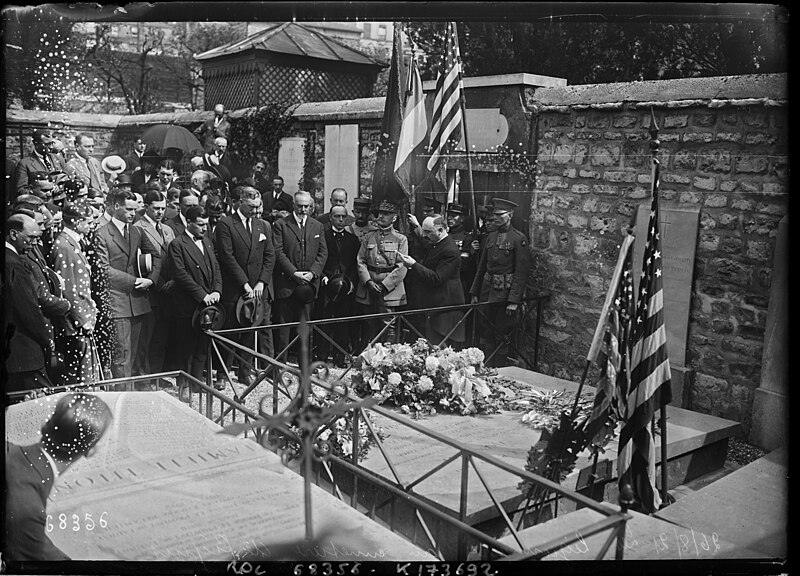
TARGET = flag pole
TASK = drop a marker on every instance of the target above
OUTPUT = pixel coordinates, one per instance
(655, 144)
(463, 104)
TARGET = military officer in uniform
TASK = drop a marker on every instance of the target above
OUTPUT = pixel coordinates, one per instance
(463, 240)
(362, 224)
(501, 278)
(380, 268)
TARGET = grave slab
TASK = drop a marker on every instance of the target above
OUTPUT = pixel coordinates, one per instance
(749, 506)
(169, 487)
(646, 538)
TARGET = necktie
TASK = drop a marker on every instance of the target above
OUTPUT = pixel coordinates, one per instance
(160, 230)
(249, 229)
(199, 243)
(47, 163)
(125, 232)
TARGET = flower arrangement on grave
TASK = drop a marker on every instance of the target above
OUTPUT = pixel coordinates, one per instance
(421, 379)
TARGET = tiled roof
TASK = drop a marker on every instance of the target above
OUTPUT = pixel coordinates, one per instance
(294, 39)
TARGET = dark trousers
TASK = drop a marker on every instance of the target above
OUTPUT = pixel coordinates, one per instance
(28, 380)
(260, 340)
(288, 310)
(498, 333)
(190, 347)
(340, 332)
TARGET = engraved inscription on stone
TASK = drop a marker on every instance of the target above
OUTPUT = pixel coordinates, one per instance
(678, 245)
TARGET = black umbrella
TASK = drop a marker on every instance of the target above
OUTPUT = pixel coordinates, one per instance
(163, 136)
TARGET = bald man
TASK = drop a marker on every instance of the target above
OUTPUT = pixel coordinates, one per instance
(215, 127)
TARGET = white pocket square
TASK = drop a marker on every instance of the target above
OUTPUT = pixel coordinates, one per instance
(261, 238)
(317, 236)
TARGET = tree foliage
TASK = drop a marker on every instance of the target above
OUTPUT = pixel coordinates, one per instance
(601, 52)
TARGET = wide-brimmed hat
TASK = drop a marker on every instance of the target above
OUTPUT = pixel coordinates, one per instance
(122, 179)
(338, 287)
(249, 311)
(144, 263)
(210, 317)
(303, 293)
(113, 164)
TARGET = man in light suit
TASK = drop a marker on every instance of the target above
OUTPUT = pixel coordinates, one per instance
(42, 160)
(195, 271)
(439, 278)
(122, 243)
(73, 267)
(156, 328)
(301, 253)
(247, 259)
(71, 433)
(86, 167)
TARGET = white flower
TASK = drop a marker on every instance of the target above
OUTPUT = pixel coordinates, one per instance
(374, 384)
(325, 434)
(395, 379)
(425, 384)
(405, 409)
(444, 402)
(431, 364)
(473, 355)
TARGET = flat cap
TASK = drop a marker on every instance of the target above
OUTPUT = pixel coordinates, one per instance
(455, 208)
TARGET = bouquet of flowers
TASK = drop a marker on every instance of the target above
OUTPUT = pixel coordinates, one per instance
(422, 379)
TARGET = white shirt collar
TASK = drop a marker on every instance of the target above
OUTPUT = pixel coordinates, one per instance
(11, 247)
(242, 216)
(298, 219)
(150, 220)
(52, 463)
(119, 224)
(184, 220)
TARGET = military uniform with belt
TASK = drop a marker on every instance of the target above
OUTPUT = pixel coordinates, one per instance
(377, 262)
(501, 278)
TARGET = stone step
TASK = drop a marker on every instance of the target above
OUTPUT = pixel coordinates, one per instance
(646, 538)
(747, 507)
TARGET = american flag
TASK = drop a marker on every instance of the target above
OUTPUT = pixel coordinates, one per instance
(611, 347)
(446, 119)
(650, 373)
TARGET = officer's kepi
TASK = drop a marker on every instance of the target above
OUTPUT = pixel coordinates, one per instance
(501, 205)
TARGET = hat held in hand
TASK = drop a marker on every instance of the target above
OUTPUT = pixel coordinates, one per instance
(211, 317)
(249, 311)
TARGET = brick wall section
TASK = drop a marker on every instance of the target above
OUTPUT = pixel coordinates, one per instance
(731, 163)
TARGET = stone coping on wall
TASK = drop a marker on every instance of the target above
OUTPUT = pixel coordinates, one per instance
(716, 91)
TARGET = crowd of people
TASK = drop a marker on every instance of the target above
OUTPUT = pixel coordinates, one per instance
(115, 268)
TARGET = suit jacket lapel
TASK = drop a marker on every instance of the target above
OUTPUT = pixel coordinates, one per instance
(117, 235)
(197, 256)
(239, 227)
(77, 247)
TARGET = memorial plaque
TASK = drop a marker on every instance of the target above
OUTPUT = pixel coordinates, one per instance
(488, 129)
(678, 245)
(341, 162)
(291, 157)
(164, 484)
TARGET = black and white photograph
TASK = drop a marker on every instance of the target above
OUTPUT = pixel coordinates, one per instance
(395, 288)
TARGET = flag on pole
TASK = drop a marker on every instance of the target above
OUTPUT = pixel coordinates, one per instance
(409, 165)
(385, 185)
(650, 373)
(446, 129)
(611, 346)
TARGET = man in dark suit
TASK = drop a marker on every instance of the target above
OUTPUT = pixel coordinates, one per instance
(186, 199)
(213, 128)
(27, 343)
(77, 424)
(258, 178)
(338, 300)
(121, 245)
(195, 270)
(133, 161)
(42, 160)
(338, 198)
(301, 253)
(277, 203)
(149, 162)
(439, 277)
(247, 260)
(156, 328)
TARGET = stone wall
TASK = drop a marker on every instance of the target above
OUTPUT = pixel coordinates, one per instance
(726, 156)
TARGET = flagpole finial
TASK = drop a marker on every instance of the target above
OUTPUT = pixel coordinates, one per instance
(655, 143)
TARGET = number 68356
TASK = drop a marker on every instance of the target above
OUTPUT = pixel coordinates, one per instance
(75, 523)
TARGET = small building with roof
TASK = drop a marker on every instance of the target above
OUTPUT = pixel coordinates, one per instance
(286, 63)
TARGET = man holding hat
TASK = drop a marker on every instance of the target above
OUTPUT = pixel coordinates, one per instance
(339, 279)
(247, 261)
(113, 166)
(85, 166)
(501, 278)
(42, 160)
(362, 223)
(300, 252)
(198, 286)
(380, 267)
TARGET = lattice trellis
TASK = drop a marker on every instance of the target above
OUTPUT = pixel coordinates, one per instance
(236, 89)
(284, 84)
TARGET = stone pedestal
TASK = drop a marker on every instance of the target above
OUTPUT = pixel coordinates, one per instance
(770, 407)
